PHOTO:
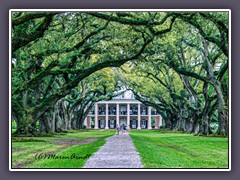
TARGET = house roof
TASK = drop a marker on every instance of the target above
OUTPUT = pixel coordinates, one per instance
(120, 101)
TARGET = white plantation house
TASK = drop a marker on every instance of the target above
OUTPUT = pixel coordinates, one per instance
(123, 109)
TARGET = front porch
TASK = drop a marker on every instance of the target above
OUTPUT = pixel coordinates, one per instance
(112, 122)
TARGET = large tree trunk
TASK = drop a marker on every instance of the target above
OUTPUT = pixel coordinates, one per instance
(46, 123)
(24, 125)
(222, 119)
(189, 125)
(57, 124)
(53, 121)
(196, 128)
(62, 110)
(41, 126)
(69, 120)
(222, 126)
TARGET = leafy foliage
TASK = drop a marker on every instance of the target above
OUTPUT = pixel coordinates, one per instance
(63, 62)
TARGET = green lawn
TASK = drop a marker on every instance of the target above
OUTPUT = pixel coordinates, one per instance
(80, 144)
(176, 150)
(157, 149)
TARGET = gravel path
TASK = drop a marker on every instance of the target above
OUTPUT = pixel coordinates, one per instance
(118, 152)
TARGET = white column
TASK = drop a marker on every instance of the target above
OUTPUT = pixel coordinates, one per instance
(96, 116)
(117, 114)
(160, 120)
(149, 118)
(106, 117)
(139, 117)
(85, 121)
(156, 122)
(88, 122)
(128, 114)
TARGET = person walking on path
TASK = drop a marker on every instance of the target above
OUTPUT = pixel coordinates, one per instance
(117, 129)
(122, 128)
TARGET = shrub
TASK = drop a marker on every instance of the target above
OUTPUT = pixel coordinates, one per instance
(37, 125)
(214, 127)
(27, 140)
(43, 134)
(162, 127)
(14, 125)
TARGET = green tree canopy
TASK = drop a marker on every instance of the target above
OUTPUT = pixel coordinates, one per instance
(63, 62)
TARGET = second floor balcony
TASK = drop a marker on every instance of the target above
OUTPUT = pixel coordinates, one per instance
(123, 112)
(101, 112)
(154, 112)
(112, 112)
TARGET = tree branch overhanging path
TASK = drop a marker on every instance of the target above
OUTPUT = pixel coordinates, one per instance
(64, 62)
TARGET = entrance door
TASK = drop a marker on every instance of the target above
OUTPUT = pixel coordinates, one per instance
(102, 124)
(134, 124)
(123, 121)
(112, 123)
(143, 124)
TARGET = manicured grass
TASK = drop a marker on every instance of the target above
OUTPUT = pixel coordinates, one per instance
(176, 150)
(81, 144)
(157, 149)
